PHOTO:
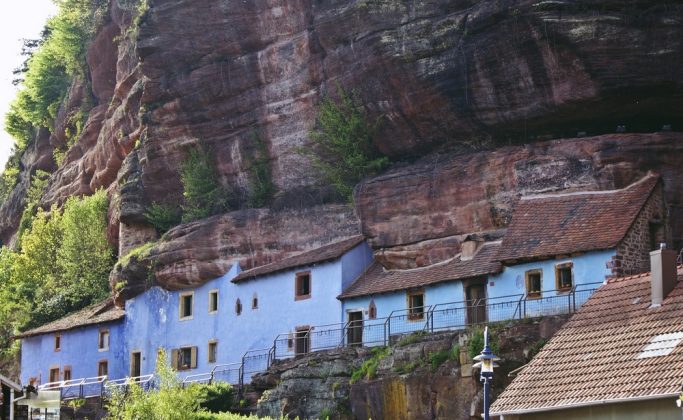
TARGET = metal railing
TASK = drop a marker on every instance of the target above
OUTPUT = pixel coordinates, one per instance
(451, 316)
(77, 388)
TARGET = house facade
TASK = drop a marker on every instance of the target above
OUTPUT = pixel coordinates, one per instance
(618, 357)
(557, 242)
(85, 344)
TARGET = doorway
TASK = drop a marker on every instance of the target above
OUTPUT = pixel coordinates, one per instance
(475, 294)
(135, 364)
(302, 344)
(354, 332)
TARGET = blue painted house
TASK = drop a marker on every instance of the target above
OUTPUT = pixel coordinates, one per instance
(84, 344)
(557, 242)
(288, 297)
(193, 326)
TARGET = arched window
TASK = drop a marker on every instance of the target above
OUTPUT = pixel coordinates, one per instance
(254, 301)
(238, 307)
(372, 310)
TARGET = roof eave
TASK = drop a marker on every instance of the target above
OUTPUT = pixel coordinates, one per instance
(584, 404)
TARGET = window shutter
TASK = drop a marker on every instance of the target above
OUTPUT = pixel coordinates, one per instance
(193, 357)
(174, 359)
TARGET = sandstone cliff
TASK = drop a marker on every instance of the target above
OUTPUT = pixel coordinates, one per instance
(463, 83)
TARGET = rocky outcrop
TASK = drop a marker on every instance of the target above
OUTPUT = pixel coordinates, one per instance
(446, 196)
(422, 376)
(444, 75)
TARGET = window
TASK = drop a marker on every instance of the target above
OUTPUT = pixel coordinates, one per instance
(58, 342)
(135, 364)
(54, 374)
(254, 301)
(238, 307)
(103, 368)
(372, 310)
(303, 286)
(533, 283)
(563, 276)
(213, 349)
(67, 373)
(186, 303)
(184, 358)
(103, 342)
(416, 303)
(213, 301)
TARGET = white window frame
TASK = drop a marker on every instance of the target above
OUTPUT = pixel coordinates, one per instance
(99, 339)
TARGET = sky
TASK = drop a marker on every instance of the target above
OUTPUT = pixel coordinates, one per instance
(18, 20)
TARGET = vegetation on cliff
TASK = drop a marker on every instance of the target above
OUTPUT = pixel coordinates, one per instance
(52, 62)
(343, 150)
(63, 265)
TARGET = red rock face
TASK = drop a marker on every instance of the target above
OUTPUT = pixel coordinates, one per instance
(446, 196)
(442, 75)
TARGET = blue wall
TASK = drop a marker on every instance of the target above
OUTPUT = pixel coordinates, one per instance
(397, 302)
(79, 349)
(152, 318)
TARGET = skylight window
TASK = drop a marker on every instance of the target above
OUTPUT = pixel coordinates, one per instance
(661, 345)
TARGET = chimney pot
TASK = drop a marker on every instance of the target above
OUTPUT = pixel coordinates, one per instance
(664, 273)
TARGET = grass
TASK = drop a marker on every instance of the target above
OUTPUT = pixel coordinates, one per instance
(368, 369)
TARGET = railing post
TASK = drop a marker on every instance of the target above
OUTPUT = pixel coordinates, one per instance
(524, 307)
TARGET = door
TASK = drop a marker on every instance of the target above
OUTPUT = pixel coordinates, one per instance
(354, 333)
(476, 303)
(302, 343)
(135, 362)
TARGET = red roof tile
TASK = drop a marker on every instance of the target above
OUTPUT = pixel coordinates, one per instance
(593, 359)
(550, 225)
(378, 280)
(98, 313)
(318, 255)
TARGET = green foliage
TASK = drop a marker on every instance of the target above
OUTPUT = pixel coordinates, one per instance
(261, 184)
(171, 401)
(48, 72)
(438, 358)
(411, 366)
(63, 264)
(39, 182)
(137, 253)
(412, 338)
(476, 342)
(204, 195)
(163, 216)
(369, 367)
(343, 151)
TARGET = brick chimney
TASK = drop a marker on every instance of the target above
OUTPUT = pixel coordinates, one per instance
(664, 273)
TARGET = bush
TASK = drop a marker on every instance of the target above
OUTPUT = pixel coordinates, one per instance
(261, 184)
(343, 151)
(203, 194)
(476, 342)
(369, 368)
(163, 216)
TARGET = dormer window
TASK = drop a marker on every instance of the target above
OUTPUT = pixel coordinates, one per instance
(302, 286)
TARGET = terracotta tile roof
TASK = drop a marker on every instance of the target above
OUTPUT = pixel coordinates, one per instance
(324, 253)
(594, 358)
(378, 280)
(98, 313)
(549, 225)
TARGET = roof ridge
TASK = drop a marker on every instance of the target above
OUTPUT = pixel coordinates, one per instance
(645, 178)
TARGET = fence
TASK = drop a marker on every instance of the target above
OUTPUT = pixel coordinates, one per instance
(371, 332)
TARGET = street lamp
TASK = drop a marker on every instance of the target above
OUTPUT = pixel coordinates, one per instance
(486, 361)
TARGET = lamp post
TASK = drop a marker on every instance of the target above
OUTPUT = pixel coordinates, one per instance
(486, 361)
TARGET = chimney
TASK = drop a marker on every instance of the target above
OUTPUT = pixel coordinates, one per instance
(468, 248)
(664, 273)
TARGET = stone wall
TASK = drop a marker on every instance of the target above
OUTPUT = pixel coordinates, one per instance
(419, 377)
(633, 252)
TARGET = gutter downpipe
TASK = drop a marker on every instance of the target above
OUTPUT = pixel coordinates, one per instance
(11, 404)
